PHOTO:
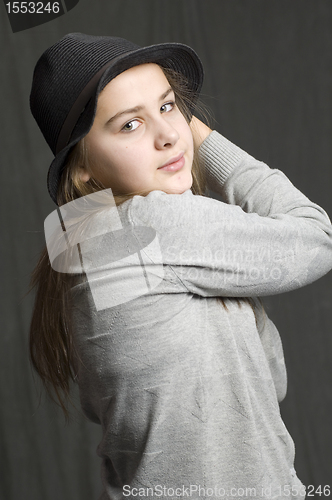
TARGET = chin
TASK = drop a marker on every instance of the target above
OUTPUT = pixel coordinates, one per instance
(182, 186)
(178, 190)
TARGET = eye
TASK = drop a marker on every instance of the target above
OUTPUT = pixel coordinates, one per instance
(165, 108)
(130, 126)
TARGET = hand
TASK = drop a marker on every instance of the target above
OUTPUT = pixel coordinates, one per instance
(199, 130)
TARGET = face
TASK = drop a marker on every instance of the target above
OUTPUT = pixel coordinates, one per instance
(140, 141)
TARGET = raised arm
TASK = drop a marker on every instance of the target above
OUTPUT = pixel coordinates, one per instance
(199, 130)
(275, 240)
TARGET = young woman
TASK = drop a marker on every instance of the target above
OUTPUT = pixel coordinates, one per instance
(156, 316)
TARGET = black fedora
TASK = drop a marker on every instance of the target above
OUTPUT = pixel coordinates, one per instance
(70, 74)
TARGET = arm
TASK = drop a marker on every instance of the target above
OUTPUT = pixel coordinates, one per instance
(200, 131)
(268, 238)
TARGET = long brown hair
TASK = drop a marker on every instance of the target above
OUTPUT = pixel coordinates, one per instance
(51, 339)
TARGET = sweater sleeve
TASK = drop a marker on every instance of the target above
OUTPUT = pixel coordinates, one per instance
(268, 238)
(249, 183)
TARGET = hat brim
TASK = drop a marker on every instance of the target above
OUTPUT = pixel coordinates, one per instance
(175, 56)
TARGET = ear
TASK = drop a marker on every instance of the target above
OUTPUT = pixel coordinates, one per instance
(84, 174)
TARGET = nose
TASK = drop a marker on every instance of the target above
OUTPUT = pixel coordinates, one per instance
(166, 135)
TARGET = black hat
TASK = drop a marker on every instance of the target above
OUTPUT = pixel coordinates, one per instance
(69, 76)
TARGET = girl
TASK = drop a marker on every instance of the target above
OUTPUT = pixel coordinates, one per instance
(153, 308)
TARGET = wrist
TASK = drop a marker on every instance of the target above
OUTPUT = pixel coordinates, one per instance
(199, 130)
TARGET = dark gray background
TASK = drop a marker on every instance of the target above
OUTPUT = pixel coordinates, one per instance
(269, 84)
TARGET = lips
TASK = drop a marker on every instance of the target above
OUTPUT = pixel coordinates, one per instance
(174, 164)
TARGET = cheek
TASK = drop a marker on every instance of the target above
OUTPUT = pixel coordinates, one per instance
(97, 150)
(109, 155)
(127, 159)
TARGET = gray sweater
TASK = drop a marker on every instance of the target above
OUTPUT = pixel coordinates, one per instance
(186, 390)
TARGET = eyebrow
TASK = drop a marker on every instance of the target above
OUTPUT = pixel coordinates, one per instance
(135, 109)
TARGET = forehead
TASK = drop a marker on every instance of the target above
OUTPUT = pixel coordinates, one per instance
(140, 81)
